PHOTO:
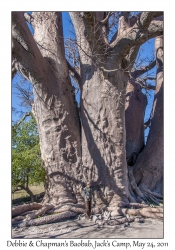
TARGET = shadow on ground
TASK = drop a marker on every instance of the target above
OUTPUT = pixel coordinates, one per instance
(79, 229)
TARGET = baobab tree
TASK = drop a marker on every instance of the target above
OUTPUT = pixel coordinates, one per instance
(148, 169)
(90, 143)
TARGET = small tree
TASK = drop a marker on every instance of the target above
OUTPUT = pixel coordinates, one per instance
(26, 157)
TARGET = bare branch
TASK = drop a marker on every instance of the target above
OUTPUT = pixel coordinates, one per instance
(155, 28)
(130, 23)
(97, 29)
(28, 17)
(147, 17)
(147, 86)
(82, 43)
(105, 20)
(22, 34)
(147, 123)
(150, 78)
(129, 60)
(25, 94)
(144, 85)
(143, 70)
(109, 70)
(135, 36)
(133, 19)
(123, 22)
(92, 36)
(23, 118)
(74, 72)
(25, 51)
(113, 25)
(14, 69)
(104, 34)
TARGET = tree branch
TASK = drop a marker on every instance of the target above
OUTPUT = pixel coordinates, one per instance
(23, 118)
(14, 70)
(144, 85)
(147, 123)
(82, 43)
(25, 51)
(150, 78)
(96, 28)
(147, 17)
(134, 19)
(26, 95)
(22, 34)
(131, 21)
(128, 61)
(143, 70)
(90, 33)
(135, 36)
(123, 22)
(28, 17)
(104, 34)
(74, 72)
(105, 20)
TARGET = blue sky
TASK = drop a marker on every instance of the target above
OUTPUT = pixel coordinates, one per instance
(147, 48)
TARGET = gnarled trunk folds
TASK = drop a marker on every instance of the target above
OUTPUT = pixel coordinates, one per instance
(54, 106)
(100, 153)
(134, 118)
(103, 133)
(148, 170)
(57, 115)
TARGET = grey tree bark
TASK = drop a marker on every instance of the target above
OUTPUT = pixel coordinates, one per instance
(96, 152)
(42, 61)
(104, 77)
(135, 107)
(148, 170)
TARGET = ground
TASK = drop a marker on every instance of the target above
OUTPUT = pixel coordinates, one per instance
(79, 229)
(36, 189)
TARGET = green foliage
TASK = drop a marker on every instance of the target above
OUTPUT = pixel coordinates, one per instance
(26, 156)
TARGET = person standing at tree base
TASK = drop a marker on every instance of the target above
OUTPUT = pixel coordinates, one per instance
(87, 193)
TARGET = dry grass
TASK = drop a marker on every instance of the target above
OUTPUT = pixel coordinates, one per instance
(37, 189)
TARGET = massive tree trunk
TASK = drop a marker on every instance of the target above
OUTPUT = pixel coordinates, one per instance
(54, 103)
(135, 107)
(102, 113)
(103, 134)
(104, 76)
(148, 170)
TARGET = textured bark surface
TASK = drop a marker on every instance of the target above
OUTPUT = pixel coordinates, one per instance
(102, 115)
(134, 118)
(148, 170)
(26, 207)
(103, 134)
(94, 149)
(57, 115)
(55, 109)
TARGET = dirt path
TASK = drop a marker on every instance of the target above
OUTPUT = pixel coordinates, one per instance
(79, 229)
